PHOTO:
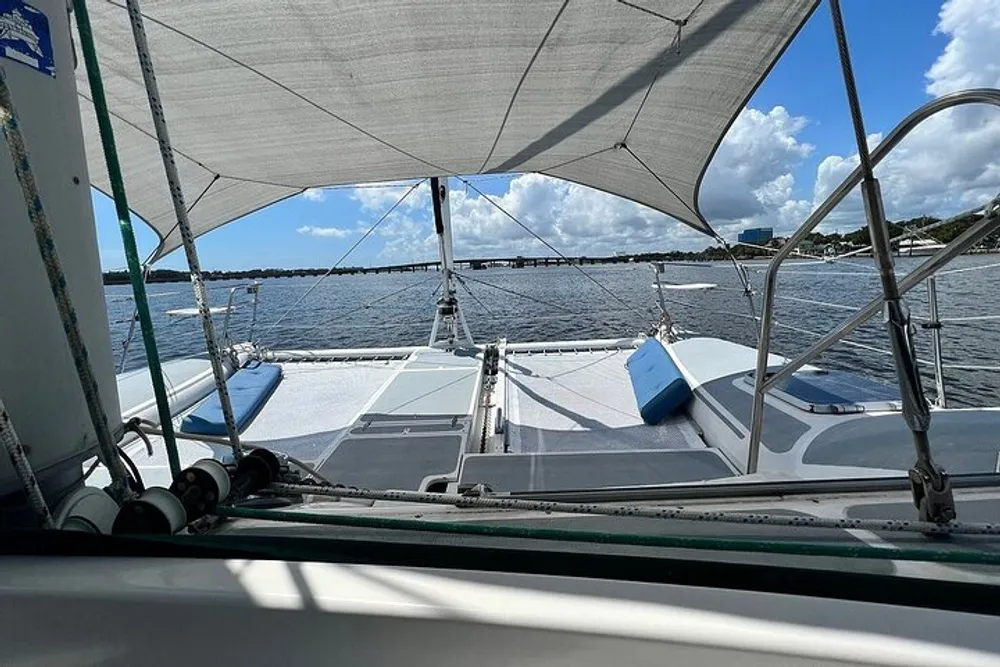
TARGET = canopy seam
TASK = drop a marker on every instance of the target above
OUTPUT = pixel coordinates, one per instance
(517, 88)
(662, 182)
(679, 23)
(189, 209)
(149, 135)
(576, 159)
(285, 88)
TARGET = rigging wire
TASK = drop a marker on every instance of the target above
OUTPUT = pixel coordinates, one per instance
(550, 304)
(811, 302)
(968, 268)
(818, 259)
(548, 245)
(364, 306)
(343, 257)
(461, 281)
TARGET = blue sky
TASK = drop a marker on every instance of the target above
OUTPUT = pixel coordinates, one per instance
(795, 130)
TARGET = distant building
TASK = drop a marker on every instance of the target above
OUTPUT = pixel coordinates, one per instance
(757, 236)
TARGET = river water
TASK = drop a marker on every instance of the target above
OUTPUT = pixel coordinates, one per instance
(560, 303)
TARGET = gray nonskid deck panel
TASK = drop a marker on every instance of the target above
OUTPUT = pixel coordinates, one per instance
(415, 429)
(781, 430)
(582, 401)
(394, 462)
(586, 470)
(961, 442)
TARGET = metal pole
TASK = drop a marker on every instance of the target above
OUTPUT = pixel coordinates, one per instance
(137, 272)
(448, 308)
(898, 133)
(255, 290)
(935, 326)
(19, 459)
(225, 321)
(183, 224)
(932, 492)
(44, 238)
(127, 343)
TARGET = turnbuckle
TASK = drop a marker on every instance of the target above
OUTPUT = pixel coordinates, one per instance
(932, 493)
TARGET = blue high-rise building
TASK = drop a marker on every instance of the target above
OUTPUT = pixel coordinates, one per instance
(757, 236)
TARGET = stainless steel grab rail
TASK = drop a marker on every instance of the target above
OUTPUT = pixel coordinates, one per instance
(761, 382)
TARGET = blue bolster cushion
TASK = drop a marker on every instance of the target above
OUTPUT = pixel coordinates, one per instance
(660, 388)
(249, 388)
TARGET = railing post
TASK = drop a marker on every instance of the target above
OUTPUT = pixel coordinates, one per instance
(935, 326)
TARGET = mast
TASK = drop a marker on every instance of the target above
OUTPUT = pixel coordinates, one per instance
(448, 311)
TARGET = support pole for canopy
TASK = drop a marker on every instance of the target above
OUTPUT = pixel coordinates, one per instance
(931, 487)
(135, 268)
(448, 311)
(44, 237)
(183, 225)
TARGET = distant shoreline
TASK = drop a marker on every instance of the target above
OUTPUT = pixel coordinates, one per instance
(816, 244)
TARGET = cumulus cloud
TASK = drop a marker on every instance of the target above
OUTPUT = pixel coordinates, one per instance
(950, 162)
(379, 197)
(314, 194)
(749, 183)
(328, 232)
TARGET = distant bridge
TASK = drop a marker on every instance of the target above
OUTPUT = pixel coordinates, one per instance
(518, 262)
(121, 277)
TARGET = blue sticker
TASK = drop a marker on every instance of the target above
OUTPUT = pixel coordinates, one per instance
(25, 37)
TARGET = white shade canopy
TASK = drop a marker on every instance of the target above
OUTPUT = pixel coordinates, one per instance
(266, 98)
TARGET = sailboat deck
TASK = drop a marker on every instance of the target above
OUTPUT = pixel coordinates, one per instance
(558, 417)
(582, 401)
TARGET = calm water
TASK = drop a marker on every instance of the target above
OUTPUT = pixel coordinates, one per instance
(561, 303)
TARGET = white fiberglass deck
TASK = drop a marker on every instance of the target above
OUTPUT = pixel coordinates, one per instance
(582, 401)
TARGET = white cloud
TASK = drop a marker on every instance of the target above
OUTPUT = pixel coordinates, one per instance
(952, 160)
(328, 232)
(749, 182)
(379, 197)
(755, 161)
(314, 194)
(950, 163)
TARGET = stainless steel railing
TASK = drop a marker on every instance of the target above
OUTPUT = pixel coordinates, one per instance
(973, 235)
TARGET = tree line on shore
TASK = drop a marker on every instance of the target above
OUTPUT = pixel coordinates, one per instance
(855, 239)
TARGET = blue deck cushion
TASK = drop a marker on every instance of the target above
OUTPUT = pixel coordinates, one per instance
(249, 388)
(660, 388)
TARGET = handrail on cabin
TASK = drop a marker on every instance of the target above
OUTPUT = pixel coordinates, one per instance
(970, 237)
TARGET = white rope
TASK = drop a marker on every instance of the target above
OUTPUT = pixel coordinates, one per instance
(667, 513)
(974, 318)
(57, 283)
(19, 459)
(183, 224)
(968, 268)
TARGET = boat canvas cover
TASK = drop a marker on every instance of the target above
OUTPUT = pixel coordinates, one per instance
(266, 99)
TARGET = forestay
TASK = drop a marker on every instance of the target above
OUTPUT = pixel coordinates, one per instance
(265, 99)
